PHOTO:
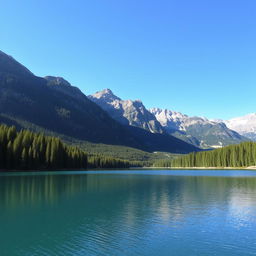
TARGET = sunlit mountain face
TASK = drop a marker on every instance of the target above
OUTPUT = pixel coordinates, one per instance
(53, 106)
(245, 125)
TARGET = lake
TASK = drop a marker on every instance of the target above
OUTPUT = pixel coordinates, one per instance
(128, 213)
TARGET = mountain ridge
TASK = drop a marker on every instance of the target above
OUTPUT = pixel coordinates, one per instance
(53, 104)
(199, 131)
(126, 112)
(245, 125)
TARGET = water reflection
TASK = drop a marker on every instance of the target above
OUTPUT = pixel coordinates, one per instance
(126, 214)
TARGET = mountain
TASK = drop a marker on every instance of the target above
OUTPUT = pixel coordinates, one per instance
(53, 105)
(9, 66)
(245, 125)
(159, 142)
(199, 131)
(126, 112)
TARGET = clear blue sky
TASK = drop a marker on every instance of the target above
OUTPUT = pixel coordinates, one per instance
(197, 57)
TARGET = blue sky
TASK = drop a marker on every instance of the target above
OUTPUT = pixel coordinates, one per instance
(197, 57)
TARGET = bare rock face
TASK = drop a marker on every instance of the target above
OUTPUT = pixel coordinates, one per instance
(127, 112)
(198, 131)
(52, 105)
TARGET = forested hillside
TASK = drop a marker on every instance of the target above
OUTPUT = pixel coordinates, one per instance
(240, 155)
(26, 150)
(52, 104)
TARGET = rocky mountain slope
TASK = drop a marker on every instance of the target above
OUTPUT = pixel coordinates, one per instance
(53, 105)
(126, 112)
(199, 131)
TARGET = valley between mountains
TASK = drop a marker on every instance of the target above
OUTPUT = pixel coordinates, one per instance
(106, 124)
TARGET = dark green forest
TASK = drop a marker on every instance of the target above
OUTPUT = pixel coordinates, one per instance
(240, 155)
(52, 104)
(25, 150)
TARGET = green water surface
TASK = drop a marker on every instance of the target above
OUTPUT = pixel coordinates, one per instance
(158, 213)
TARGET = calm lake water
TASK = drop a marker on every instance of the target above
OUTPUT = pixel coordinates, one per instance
(128, 213)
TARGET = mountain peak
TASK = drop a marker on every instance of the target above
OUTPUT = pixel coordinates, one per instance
(107, 91)
(106, 95)
(127, 112)
(199, 131)
(245, 125)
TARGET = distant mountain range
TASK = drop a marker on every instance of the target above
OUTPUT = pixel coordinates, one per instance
(53, 105)
(245, 125)
(197, 131)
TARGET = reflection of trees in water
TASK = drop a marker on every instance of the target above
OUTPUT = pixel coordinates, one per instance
(100, 208)
(154, 191)
(48, 189)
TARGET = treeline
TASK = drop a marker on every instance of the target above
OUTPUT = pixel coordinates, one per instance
(27, 151)
(240, 155)
(101, 161)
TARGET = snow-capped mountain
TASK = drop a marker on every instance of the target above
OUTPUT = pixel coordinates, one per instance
(52, 105)
(126, 112)
(170, 120)
(199, 131)
(245, 125)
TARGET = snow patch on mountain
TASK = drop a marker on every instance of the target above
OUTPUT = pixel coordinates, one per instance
(199, 131)
(245, 125)
(176, 120)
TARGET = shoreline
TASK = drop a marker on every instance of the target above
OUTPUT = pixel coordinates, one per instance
(195, 168)
(131, 168)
